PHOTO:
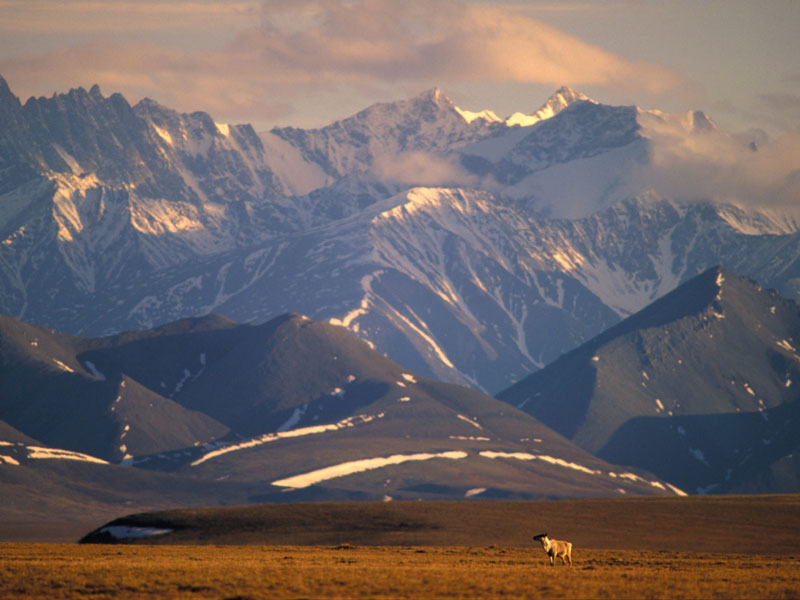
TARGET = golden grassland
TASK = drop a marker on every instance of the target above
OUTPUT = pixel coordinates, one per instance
(383, 572)
(696, 547)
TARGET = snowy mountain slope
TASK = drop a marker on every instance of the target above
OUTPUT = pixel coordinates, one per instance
(588, 156)
(579, 131)
(396, 298)
(463, 285)
(120, 217)
(542, 284)
(429, 123)
(413, 141)
(384, 148)
(560, 100)
(103, 188)
(698, 387)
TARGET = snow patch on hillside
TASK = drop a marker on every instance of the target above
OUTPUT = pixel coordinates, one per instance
(213, 449)
(129, 532)
(348, 321)
(470, 421)
(359, 466)
(62, 366)
(162, 133)
(39, 452)
(548, 459)
(656, 484)
(69, 159)
(294, 419)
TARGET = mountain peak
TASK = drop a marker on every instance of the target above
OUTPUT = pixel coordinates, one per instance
(434, 96)
(561, 99)
(695, 297)
(566, 94)
(5, 90)
(7, 97)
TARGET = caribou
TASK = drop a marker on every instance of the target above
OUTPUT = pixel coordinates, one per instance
(555, 548)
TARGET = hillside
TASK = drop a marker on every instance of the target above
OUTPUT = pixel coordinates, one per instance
(699, 388)
(53, 392)
(209, 411)
(729, 524)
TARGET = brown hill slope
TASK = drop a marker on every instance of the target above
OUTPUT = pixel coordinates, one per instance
(733, 524)
(699, 388)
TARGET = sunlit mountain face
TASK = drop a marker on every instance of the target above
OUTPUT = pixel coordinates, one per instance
(465, 246)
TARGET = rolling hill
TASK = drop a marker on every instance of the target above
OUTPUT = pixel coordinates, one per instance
(207, 411)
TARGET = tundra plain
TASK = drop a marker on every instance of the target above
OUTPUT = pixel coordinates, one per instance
(383, 572)
(626, 548)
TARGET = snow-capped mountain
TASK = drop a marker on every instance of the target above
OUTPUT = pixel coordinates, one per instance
(439, 236)
(458, 284)
(429, 124)
(96, 192)
(560, 100)
(699, 388)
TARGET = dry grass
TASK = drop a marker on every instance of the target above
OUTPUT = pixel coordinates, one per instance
(70, 571)
(630, 548)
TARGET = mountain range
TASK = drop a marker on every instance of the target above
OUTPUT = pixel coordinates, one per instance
(466, 247)
(439, 254)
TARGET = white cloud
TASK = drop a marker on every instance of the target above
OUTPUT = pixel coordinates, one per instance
(710, 164)
(422, 169)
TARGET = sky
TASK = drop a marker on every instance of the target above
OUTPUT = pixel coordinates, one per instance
(308, 63)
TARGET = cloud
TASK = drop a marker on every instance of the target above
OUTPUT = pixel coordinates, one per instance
(292, 50)
(708, 164)
(423, 169)
(782, 107)
(71, 17)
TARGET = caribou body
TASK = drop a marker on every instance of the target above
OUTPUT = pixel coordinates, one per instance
(555, 548)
